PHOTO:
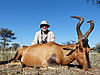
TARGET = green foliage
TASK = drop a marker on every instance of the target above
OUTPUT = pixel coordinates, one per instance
(95, 2)
(6, 35)
(15, 45)
(69, 42)
(1, 43)
(97, 47)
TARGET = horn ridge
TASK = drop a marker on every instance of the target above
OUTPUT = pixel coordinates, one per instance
(90, 29)
(79, 33)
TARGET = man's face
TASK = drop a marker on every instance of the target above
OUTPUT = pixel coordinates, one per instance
(44, 28)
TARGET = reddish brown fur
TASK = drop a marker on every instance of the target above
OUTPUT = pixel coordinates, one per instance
(39, 54)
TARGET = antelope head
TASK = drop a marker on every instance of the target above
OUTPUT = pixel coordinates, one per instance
(83, 48)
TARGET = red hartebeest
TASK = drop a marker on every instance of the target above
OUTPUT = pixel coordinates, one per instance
(42, 55)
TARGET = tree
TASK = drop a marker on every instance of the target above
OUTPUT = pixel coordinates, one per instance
(2, 43)
(69, 42)
(15, 45)
(97, 47)
(95, 2)
(6, 35)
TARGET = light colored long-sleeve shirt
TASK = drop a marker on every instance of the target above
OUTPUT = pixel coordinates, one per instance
(41, 37)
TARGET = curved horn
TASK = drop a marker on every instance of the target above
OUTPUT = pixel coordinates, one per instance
(80, 35)
(91, 28)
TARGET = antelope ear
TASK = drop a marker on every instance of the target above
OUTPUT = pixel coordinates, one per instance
(90, 49)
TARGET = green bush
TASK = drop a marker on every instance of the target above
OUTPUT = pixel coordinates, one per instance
(97, 47)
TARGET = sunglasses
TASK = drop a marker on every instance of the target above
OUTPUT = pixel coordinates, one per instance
(44, 25)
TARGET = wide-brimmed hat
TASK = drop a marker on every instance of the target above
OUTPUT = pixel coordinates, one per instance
(44, 23)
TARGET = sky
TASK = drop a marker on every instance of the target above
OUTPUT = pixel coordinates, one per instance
(23, 17)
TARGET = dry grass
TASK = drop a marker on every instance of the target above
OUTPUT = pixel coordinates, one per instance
(17, 69)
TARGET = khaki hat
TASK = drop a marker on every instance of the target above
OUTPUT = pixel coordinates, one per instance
(44, 23)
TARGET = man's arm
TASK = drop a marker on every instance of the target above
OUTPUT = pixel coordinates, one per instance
(52, 38)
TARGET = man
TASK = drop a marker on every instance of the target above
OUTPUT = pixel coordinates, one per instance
(44, 35)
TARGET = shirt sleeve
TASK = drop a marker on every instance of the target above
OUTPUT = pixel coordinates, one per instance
(52, 38)
(35, 41)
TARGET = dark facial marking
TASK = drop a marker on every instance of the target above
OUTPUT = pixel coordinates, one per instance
(88, 60)
(85, 42)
